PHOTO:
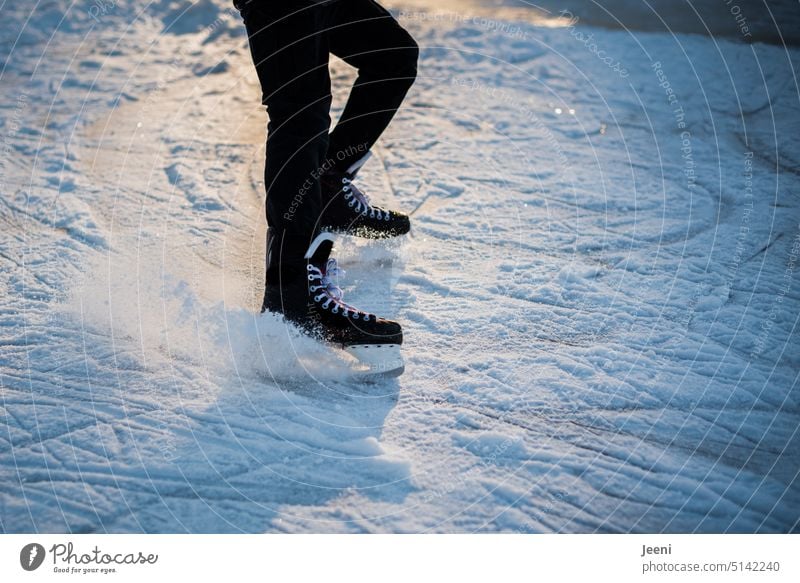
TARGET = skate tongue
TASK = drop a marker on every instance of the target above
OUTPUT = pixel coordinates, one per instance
(353, 169)
(360, 197)
(320, 249)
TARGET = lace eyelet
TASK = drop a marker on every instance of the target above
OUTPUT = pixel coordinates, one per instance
(355, 316)
(317, 298)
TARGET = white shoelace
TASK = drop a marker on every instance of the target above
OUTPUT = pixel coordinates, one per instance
(331, 294)
(359, 200)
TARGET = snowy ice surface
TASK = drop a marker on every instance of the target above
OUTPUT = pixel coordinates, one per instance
(600, 294)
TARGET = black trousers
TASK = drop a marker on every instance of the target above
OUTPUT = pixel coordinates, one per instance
(290, 41)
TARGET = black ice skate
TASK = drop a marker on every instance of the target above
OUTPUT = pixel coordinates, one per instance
(305, 293)
(347, 210)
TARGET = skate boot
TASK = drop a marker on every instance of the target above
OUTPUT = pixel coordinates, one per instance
(347, 210)
(302, 289)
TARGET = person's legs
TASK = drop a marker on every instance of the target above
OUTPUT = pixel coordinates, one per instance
(290, 49)
(366, 36)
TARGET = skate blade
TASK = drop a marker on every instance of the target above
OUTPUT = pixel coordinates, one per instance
(377, 360)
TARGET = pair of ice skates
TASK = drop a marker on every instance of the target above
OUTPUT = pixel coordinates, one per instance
(304, 291)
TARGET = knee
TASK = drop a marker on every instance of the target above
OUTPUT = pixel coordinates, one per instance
(404, 62)
(396, 62)
(412, 57)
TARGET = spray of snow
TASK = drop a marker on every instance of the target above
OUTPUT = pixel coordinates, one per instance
(139, 306)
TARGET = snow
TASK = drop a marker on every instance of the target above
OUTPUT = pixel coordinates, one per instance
(600, 309)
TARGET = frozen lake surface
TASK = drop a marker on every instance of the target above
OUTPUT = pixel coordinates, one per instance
(600, 293)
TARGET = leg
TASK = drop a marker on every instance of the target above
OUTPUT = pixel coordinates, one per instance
(290, 52)
(366, 36)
